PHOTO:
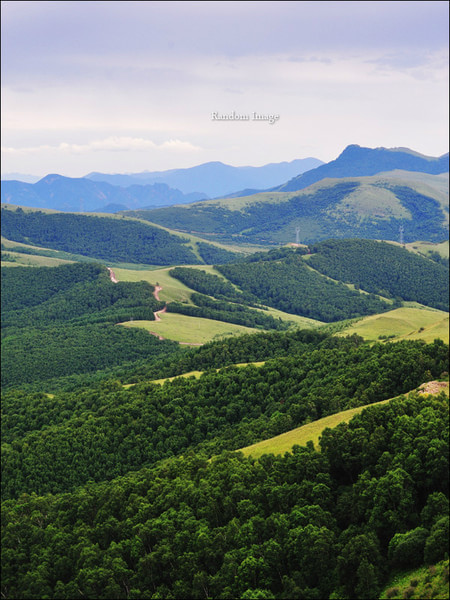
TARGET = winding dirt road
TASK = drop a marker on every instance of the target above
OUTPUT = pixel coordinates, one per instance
(112, 276)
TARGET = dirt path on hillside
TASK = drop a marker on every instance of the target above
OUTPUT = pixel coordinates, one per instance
(433, 387)
(158, 288)
(160, 312)
(112, 276)
(157, 314)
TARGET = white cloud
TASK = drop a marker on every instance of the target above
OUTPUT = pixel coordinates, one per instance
(121, 86)
(110, 144)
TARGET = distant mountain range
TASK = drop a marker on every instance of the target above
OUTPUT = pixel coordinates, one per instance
(215, 179)
(99, 192)
(112, 193)
(83, 195)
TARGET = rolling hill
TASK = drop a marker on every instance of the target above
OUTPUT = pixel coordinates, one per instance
(107, 238)
(366, 207)
(117, 486)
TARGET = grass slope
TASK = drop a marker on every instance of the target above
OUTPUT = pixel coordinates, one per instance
(18, 259)
(405, 323)
(190, 330)
(311, 432)
(420, 584)
(176, 291)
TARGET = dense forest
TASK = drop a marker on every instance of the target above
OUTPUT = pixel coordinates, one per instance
(226, 304)
(54, 444)
(111, 239)
(384, 269)
(288, 284)
(211, 285)
(330, 524)
(118, 484)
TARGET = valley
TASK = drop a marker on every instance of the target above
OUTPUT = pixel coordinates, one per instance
(236, 398)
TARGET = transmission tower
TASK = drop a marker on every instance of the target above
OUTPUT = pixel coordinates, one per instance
(297, 235)
(401, 231)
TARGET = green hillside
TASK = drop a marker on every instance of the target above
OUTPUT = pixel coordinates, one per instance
(366, 207)
(107, 238)
(311, 432)
(61, 321)
(431, 581)
(123, 474)
(412, 323)
(382, 268)
(240, 528)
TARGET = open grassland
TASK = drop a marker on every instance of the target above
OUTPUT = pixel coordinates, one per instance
(175, 291)
(428, 247)
(426, 582)
(195, 374)
(368, 200)
(311, 432)
(405, 323)
(31, 260)
(243, 202)
(190, 330)
(172, 289)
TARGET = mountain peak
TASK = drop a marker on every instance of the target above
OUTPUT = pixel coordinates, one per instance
(358, 161)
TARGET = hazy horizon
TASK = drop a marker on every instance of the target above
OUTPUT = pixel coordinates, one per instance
(126, 87)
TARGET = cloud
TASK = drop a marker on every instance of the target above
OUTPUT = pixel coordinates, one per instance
(110, 144)
(114, 85)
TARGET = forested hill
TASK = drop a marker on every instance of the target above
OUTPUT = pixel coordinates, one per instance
(356, 161)
(61, 321)
(91, 509)
(385, 269)
(285, 280)
(364, 207)
(105, 238)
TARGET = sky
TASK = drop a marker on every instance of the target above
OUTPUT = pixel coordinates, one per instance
(126, 87)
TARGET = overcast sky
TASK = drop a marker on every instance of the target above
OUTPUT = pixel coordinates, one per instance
(131, 86)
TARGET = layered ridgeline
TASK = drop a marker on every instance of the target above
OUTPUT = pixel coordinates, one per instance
(62, 321)
(356, 161)
(56, 192)
(376, 207)
(214, 178)
(50, 314)
(91, 509)
(107, 238)
(101, 192)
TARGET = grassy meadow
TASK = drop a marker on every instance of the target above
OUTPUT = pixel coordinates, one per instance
(310, 432)
(405, 323)
(190, 330)
(32, 260)
(431, 581)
